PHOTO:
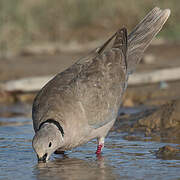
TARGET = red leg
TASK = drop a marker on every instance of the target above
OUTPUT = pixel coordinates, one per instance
(99, 148)
(100, 145)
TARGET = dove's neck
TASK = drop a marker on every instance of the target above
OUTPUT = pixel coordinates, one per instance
(55, 123)
(53, 132)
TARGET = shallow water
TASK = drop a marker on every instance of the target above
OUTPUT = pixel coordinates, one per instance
(121, 159)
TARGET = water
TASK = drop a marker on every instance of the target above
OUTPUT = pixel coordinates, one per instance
(121, 159)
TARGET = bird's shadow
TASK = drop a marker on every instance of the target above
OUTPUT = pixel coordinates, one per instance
(69, 168)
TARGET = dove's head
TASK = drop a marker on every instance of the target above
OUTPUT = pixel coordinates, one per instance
(46, 141)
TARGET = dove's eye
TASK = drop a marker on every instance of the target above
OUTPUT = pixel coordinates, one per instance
(50, 144)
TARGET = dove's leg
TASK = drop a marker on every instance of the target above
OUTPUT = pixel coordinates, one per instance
(100, 146)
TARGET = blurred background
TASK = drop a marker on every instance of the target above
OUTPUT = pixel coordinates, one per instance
(39, 22)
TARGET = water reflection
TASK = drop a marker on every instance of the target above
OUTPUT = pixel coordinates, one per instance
(74, 169)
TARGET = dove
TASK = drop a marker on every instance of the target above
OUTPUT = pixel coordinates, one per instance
(82, 102)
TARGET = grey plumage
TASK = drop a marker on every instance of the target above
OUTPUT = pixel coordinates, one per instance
(85, 98)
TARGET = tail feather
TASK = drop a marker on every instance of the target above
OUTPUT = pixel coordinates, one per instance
(142, 35)
(103, 47)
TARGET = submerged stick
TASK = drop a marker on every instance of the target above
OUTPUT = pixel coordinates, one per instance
(25, 84)
(155, 76)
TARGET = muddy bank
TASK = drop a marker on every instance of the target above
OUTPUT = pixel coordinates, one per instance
(161, 123)
(152, 94)
(168, 152)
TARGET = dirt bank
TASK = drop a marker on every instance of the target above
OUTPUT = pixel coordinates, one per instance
(161, 123)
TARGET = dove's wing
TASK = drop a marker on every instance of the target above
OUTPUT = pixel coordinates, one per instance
(105, 83)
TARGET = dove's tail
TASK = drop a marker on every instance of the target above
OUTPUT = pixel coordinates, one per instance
(142, 35)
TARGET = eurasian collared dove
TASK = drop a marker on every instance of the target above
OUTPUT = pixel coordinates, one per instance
(82, 102)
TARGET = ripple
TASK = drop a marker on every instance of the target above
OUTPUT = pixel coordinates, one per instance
(121, 159)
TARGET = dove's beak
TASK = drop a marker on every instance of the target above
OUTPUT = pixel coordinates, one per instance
(44, 158)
